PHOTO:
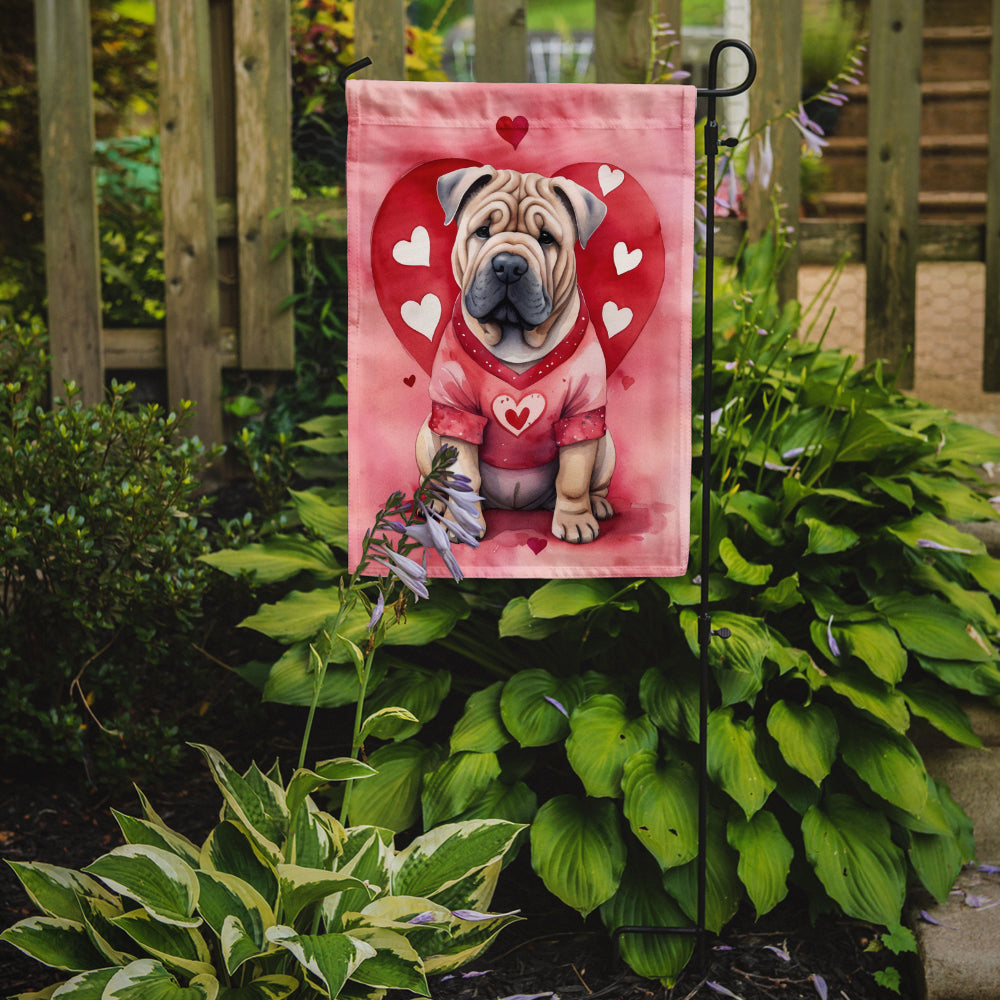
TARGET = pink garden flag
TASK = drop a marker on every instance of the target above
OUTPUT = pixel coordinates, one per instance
(520, 281)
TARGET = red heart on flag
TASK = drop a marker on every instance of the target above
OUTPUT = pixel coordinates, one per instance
(620, 286)
(517, 417)
(512, 130)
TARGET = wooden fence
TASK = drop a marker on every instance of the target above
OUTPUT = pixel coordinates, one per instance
(226, 161)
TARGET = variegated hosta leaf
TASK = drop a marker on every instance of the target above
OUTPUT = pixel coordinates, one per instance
(256, 801)
(765, 858)
(86, 986)
(301, 887)
(723, 889)
(732, 760)
(177, 947)
(456, 784)
(850, 847)
(159, 881)
(578, 851)
(225, 897)
(661, 805)
(395, 964)
(56, 891)
(888, 763)
(141, 831)
(642, 902)
(98, 915)
(328, 959)
(535, 706)
(441, 857)
(275, 987)
(476, 890)
(466, 941)
(147, 979)
(230, 849)
(54, 941)
(391, 799)
(304, 782)
(481, 727)
(807, 736)
(602, 737)
(315, 838)
(367, 853)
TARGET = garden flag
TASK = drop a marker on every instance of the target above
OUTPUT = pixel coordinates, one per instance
(520, 280)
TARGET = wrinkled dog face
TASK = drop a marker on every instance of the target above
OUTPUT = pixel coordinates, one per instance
(514, 255)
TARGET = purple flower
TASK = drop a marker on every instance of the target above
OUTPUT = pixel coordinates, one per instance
(427, 917)
(408, 571)
(780, 952)
(431, 535)
(377, 612)
(834, 648)
(761, 163)
(475, 915)
(811, 132)
(927, 543)
(820, 983)
(558, 705)
(719, 988)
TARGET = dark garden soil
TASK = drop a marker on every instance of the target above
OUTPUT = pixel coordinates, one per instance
(552, 951)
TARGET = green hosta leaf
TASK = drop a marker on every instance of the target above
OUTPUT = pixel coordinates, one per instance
(159, 881)
(758, 511)
(661, 799)
(732, 760)
(395, 964)
(56, 891)
(141, 831)
(931, 628)
(292, 680)
(783, 595)
(326, 520)
(684, 592)
(330, 959)
(888, 763)
(602, 738)
(975, 605)
(751, 574)
(807, 736)
(304, 782)
(928, 528)
(54, 941)
(274, 987)
(671, 700)
(226, 898)
(976, 678)
(279, 558)
(481, 728)
(415, 689)
(893, 488)
(941, 709)
(517, 620)
(965, 443)
(957, 501)
(578, 851)
(828, 539)
(260, 809)
(456, 784)
(440, 858)
(866, 692)
(535, 706)
(230, 849)
(391, 798)
(870, 435)
(850, 847)
(876, 646)
(723, 889)
(559, 598)
(301, 887)
(765, 858)
(147, 979)
(937, 860)
(641, 901)
(180, 948)
(986, 572)
(738, 661)
(516, 803)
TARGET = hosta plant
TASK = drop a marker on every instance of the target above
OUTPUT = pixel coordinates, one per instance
(279, 900)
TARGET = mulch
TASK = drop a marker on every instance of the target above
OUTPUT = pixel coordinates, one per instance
(551, 952)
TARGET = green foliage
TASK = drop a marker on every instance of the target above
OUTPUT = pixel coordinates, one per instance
(101, 587)
(280, 899)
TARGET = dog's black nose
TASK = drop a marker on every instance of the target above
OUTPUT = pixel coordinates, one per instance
(509, 267)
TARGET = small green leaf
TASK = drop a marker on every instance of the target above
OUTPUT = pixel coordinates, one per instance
(932, 628)
(517, 620)
(671, 700)
(828, 539)
(888, 763)
(560, 598)
(279, 558)
(391, 798)
(481, 727)
(732, 760)
(535, 706)
(456, 784)
(765, 858)
(941, 709)
(327, 520)
(807, 736)
(739, 569)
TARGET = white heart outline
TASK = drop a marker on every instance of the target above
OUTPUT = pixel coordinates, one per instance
(616, 318)
(414, 252)
(422, 316)
(534, 401)
(626, 260)
(609, 178)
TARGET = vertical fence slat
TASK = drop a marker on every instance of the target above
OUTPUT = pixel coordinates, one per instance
(72, 257)
(893, 183)
(261, 57)
(621, 40)
(776, 35)
(190, 253)
(501, 41)
(991, 333)
(380, 34)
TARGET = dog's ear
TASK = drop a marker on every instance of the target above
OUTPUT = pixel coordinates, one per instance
(455, 187)
(586, 208)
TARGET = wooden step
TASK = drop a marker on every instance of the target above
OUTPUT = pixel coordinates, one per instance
(957, 206)
(956, 53)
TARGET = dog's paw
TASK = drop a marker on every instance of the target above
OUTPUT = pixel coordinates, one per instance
(601, 508)
(575, 528)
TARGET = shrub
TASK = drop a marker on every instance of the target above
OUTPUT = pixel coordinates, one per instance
(99, 539)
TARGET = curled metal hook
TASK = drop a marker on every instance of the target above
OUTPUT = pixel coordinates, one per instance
(712, 91)
(353, 68)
